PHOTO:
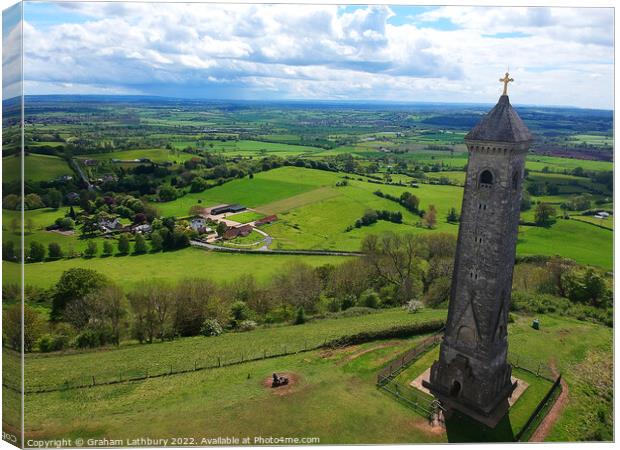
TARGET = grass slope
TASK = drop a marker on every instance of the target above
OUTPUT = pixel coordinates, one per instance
(232, 401)
(36, 168)
(172, 266)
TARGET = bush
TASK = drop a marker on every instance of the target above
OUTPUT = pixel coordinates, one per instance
(247, 325)
(348, 301)
(53, 342)
(211, 327)
(300, 316)
(93, 338)
(413, 306)
(370, 299)
(355, 311)
(399, 332)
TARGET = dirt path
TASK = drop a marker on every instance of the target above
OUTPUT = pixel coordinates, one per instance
(368, 350)
(554, 413)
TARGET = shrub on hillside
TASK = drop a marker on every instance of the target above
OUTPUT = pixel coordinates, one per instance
(300, 316)
(247, 325)
(414, 306)
(53, 342)
(211, 327)
(370, 299)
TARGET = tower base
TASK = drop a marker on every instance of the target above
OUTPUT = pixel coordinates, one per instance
(484, 398)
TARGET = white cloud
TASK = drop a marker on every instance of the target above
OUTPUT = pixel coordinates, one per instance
(305, 51)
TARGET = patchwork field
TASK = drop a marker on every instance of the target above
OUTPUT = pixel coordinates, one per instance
(314, 213)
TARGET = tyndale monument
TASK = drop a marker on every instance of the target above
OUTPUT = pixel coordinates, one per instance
(472, 374)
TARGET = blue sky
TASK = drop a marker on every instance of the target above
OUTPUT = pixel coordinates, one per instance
(557, 56)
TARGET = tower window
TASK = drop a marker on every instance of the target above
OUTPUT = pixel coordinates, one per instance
(486, 178)
(515, 180)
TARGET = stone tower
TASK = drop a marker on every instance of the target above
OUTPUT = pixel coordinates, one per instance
(472, 374)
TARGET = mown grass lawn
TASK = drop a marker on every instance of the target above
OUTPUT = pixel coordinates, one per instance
(245, 217)
(335, 398)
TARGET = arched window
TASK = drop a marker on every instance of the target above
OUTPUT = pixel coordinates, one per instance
(455, 389)
(486, 178)
(515, 180)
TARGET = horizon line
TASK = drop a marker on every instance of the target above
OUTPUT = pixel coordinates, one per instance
(231, 100)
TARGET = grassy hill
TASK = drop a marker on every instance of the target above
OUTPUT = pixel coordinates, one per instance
(172, 266)
(36, 168)
(232, 401)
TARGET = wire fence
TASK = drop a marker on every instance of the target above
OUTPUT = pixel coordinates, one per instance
(157, 370)
(429, 407)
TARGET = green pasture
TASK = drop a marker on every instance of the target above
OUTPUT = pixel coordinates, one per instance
(322, 224)
(555, 163)
(133, 359)
(39, 220)
(171, 266)
(572, 239)
(598, 140)
(605, 223)
(252, 240)
(246, 217)
(37, 168)
(264, 188)
(232, 401)
(259, 148)
(154, 154)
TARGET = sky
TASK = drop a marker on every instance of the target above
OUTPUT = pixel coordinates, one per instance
(557, 56)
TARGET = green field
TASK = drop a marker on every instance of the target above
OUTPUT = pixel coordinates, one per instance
(37, 168)
(154, 154)
(246, 217)
(183, 353)
(537, 162)
(265, 187)
(313, 213)
(259, 148)
(172, 266)
(580, 241)
(232, 401)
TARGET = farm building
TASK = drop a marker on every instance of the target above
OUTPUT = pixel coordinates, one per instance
(227, 209)
(144, 228)
(232, 233)
(266, 220)
(107, 225)
(200, 225)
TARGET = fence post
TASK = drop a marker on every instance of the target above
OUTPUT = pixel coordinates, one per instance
(264, 354)
(93, 380)
(195, 365)
(219, 362)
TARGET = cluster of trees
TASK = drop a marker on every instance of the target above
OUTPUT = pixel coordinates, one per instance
(53, 199)
(545, 215)
(89, 310)
(561, 286)
(409, 201)
(373, 215)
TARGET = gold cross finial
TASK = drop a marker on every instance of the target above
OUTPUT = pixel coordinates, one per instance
(506, 80)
